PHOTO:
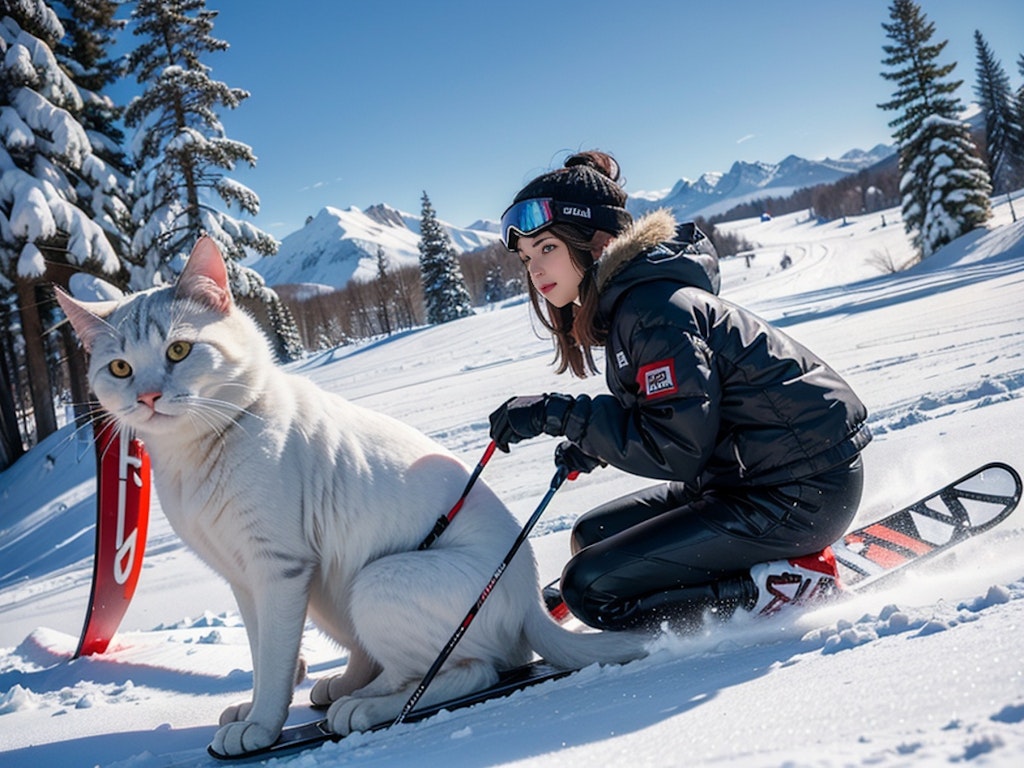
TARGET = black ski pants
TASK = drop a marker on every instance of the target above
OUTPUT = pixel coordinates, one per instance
(672, 552)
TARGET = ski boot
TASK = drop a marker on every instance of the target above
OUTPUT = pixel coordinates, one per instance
(799, 581)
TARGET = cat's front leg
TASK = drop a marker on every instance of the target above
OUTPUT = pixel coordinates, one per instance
(280, 608)
(250, 620)
(359, 672)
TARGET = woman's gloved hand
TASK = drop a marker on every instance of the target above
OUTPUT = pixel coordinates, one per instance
(520, 418)
(573, 458)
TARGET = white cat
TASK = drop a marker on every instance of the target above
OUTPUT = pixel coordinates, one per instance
(305, 502)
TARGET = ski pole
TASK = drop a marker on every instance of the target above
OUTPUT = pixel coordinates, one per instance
(561, 474)
(445, 520)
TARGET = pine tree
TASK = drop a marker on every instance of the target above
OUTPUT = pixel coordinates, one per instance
(384, 291)
(1019, 102)
(287, 341)
(1003, 132)
(183, 154)
(46, 158)
(90, 32)
(444, 290)
(494, 284)
(944, 184)
(91, 29)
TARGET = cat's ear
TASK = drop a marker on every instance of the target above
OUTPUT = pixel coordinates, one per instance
(87, 317)
(205, 277)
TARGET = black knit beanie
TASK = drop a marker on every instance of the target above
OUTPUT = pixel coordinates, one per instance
(587, 178)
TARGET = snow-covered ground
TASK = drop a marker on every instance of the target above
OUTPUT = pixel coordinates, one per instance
(929, 672)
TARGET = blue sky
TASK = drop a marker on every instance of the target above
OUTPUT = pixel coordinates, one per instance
(356, 103)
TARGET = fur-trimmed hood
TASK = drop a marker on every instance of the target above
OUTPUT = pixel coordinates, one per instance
(656, 247)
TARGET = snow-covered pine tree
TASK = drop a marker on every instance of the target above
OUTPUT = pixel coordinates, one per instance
(1020, 90)
(1004, 134)
(385, 291)
(90, 29)
(494, 284)
(444, 290)
(497, 287)
(943, 160)
(46, 162)
(944, 185)
(183, 153)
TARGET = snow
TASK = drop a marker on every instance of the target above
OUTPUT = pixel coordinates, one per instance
(930, 671)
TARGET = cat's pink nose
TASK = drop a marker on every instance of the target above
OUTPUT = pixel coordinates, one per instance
(150, 398)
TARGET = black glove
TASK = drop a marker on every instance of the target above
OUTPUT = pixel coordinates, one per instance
(572, 457)
(521, 418)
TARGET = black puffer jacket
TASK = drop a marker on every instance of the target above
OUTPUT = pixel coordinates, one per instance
(704, 391)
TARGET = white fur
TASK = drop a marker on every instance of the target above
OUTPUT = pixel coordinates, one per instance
(306, 502)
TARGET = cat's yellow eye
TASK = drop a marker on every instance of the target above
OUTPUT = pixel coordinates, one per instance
(120, 368)
(178, 351)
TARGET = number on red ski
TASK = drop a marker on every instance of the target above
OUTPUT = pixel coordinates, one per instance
(122, 521)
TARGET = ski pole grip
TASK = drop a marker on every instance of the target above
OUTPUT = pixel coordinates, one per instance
(562, 474)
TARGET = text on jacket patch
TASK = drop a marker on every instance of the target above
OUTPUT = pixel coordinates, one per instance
(658, 378)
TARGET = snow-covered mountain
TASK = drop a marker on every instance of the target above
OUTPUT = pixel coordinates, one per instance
(338, 245)
(715, 193)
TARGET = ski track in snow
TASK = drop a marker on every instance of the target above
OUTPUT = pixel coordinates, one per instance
(929, 670)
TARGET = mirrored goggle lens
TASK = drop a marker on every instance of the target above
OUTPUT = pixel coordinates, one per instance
(525, 218)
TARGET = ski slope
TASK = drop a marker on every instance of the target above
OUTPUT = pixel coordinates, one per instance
(930, 671)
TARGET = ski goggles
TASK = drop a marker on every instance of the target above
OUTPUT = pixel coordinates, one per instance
(528, 217)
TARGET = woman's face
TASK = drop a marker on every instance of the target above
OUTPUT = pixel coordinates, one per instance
(552, 271)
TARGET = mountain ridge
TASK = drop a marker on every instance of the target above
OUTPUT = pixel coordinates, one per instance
(341, 244)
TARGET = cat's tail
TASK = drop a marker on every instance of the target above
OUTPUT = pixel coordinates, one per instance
(573, 650)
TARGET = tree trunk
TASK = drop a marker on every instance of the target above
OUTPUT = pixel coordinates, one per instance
(78, 375)
(11, 446)
(35, 360)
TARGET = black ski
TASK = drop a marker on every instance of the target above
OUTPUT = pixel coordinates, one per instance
(298, 737)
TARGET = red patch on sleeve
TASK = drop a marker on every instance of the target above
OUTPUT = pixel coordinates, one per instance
(658, 379)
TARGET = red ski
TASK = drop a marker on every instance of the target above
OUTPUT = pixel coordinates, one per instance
(973, 504)
(122, 520)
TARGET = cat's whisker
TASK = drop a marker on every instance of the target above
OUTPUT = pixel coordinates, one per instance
(215, 418)
(219, 415)
(228, 405)
(230, 411)
(196, 417)
(120, 432)
(69, 440)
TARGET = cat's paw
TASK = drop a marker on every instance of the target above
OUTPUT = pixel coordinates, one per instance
(328, 690)
(351, 714)
(234, 713)
(239, 738)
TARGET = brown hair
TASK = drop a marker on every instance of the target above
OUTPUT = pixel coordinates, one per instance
(574, 328)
